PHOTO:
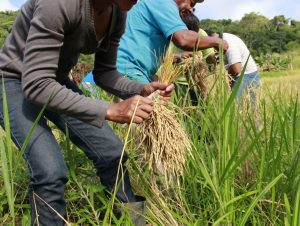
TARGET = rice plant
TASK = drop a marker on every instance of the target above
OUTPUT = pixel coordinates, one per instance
(243, 169)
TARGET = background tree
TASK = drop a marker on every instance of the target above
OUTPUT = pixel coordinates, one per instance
(261, 35)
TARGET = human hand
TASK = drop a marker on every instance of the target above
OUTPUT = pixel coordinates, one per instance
(122, 112)
(164, 91)
(186, 54)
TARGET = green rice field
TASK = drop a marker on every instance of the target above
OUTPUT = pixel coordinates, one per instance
(244, 168)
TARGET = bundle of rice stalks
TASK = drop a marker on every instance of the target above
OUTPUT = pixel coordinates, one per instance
(196, 73)
(165, 139)
(167, 143)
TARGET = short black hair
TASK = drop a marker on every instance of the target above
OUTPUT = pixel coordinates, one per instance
(210, 32)
(191, 21)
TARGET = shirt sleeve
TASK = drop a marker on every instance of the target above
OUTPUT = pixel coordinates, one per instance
(165, 15)
(45, 38)
(105, 70)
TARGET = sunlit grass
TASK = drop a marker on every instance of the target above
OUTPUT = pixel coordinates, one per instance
(238, 173)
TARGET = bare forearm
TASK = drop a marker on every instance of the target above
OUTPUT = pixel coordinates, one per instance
(235, 69)
(190, 40)
(116, 84)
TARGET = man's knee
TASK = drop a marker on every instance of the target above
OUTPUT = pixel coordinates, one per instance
(49, 172)
(116, 154)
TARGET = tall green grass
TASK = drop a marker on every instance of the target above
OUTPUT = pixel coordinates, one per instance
(239, 173)
(10, 159)
(7, 159)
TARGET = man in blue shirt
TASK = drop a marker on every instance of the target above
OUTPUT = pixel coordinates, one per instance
(150, 26)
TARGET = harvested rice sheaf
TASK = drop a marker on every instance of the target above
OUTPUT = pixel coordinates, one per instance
(166, 140)
(167, 143)
(196, 72)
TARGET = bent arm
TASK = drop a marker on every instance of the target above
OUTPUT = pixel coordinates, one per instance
(234, 59)
(190, 40)
(107, 77)
(105, 70)
(235, 69)
(40, 65)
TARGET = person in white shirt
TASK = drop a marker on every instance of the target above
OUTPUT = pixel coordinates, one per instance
(235, 59)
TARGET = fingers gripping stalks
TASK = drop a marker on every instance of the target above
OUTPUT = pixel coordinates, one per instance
(161, 90)
(123, 111)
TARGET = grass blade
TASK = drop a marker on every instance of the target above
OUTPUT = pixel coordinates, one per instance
(6, 177)
(256, 200)
(7, 163)
(27, 139)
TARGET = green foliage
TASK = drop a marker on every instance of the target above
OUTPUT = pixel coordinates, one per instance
(260, 34)
(274, 62)
(6, 20)
(237, 174)
(87, 60)
(292, 45)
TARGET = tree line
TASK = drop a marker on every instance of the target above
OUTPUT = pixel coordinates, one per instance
(261, 35)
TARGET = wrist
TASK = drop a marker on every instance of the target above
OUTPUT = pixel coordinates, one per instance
(147, 89)
(108, 115)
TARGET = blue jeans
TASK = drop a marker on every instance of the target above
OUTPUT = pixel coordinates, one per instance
(249, 85)
(48, 171)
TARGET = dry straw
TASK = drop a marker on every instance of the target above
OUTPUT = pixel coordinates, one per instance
(167, 143)
(196, 73)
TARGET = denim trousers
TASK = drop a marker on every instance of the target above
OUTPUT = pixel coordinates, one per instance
(250, 83)
(47, 168)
